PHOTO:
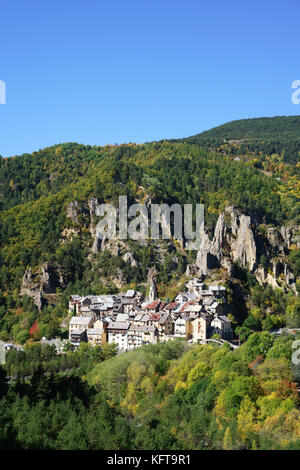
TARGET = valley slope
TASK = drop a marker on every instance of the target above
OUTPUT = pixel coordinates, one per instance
(245, 173)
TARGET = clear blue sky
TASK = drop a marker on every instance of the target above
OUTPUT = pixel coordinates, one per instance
(99, 72)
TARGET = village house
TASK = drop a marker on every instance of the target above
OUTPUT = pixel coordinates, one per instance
(195, 285)
(134, 311)
(94, 336)
(218, 291)
(201, 328)
(85, 311)
(154, 319)
(206, 295)
(122, 317)
(222, 326)
(193, 309)
(74, 303)
(165, 326)
(180, 326)
(117, 333)
(134, 336)
(215, 308)
(155, 306)
(78, 327)
(183, 297)
(150, 334)
(127, 304)
(138, 319)
(189, 307)
(141, 319)
(131, 298)
(98, 334)
(92, 303)
(132, 294)
(171, 307)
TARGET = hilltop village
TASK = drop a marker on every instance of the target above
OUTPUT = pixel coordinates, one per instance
(130, 321)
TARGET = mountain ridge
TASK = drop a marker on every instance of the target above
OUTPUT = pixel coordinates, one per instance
(239, 127)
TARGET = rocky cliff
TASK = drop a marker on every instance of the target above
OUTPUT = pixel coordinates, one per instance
(237, 238)
(241, 238)
(42, 283)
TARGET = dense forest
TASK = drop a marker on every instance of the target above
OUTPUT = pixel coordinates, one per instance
(168, 396)
(274, 135)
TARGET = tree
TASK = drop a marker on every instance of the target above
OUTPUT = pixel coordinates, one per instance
(22, 336)
(227, 441)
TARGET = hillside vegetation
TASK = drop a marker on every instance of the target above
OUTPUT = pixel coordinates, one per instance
(36, 190)
(167, 396)
(268, 135)
(161, 397)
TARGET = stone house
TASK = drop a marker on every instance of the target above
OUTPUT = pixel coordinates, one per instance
(78, 327)
(134, 336)
(165, 326)
(74, 303)
(180, 326)
(150, 334)
(95, 336)
(221, 325)
(98, 334)
(195, 285)
(117, 333)
(201, 327)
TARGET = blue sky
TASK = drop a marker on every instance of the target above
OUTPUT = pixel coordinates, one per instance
(99, 72)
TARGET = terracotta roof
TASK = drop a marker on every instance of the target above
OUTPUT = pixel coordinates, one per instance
(155, 316)
(185, 305)
(171, 306)
(152, 305)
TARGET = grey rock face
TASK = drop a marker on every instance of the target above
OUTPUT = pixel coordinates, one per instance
(92, 204)
(233, 236)
(72, 211)
(191, 270)
(45, 280)
(236, 239)
(243, 245)
(129, 258)
(31, 287)
(291, 236)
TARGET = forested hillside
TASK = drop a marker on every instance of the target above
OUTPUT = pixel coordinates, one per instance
(38, 194)
(168, 396)
(274, 135)
(45, 214)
